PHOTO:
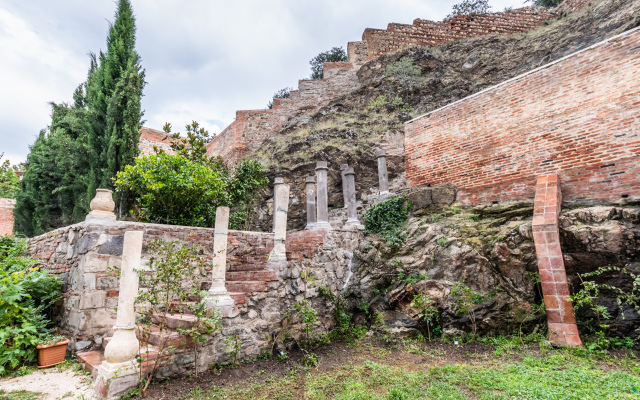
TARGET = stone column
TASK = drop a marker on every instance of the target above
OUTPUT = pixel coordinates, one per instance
(382, 175)
(218, 297)
(310, 190)
(119, 368)
(343, 167)
(277, 183)
(352, 211)
(279, 254)
(322, 220)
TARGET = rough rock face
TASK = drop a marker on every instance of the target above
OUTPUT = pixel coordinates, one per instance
(597, 237)
(491, 249)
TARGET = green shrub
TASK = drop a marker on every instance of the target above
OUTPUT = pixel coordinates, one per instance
(9, 181)
(186, 187)
(386, 218)
(26, 294)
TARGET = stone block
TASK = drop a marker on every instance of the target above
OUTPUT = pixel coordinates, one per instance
(87, 242)
(444, 194)
(94, 262)
(113, 246)
(420, 198)
(93, 300)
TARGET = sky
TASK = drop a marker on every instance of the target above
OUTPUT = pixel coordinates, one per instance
(204, 59)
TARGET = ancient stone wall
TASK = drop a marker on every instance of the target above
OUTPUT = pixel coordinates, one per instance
(427, 33)
(6, 216)
(83, 255)
(577, 117)
(153, 137)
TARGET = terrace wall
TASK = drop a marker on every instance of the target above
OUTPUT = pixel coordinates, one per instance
(578, 117)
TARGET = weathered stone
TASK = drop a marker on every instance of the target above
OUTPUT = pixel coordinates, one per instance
(420, 198)
(310, 191)
(322, 203)
(444, 194)
(113, 246)
(87, 242)
(383, 177)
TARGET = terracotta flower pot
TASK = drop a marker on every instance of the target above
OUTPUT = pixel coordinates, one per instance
(51, 354)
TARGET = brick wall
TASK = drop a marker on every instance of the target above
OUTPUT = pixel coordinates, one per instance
(578, 117)
(6, 216)
(153, 137)
(251, 127)
(574, 5)
(426, 33)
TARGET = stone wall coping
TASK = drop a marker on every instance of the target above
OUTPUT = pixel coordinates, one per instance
(531, 72)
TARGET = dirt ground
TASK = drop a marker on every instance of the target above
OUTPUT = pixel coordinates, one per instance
(52, 384)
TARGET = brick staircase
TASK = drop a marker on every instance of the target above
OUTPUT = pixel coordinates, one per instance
(180, 318)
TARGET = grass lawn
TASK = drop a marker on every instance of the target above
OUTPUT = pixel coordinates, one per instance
(370, 369)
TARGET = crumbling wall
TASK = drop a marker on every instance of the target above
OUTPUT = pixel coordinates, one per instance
(6, 216)
(577, 117)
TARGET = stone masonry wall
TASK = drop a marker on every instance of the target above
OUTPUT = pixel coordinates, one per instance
(577, 117)
(427, 33)
(82, 256)
(6, 216)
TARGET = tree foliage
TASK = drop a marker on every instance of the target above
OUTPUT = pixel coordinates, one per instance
(470, 7)
(9, 181)
(26, 295)
(186, 187)
(283, 93)
(88, 141)
(336, 54)
(547, 3)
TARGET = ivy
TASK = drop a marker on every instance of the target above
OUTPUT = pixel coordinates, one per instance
(387, 217)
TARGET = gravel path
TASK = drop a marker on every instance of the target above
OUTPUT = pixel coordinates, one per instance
(53, 385)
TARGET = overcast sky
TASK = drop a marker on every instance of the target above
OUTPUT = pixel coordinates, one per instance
(204, 59)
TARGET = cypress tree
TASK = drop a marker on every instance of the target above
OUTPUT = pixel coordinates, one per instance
(114, 88)
(87, 142)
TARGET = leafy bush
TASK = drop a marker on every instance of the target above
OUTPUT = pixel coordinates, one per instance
(336, 54)
(470, 7)
(386, 218)
(170, 189)
(26, 294)
(547, 3)
(186, 187)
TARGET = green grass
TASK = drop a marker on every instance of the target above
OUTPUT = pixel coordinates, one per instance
(528, 372)
(18, 395)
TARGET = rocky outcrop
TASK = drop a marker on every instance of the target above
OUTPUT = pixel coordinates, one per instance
(491, 250)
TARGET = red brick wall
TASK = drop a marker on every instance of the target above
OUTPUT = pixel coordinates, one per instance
(578, 117)
(6, 216)
(575, 5)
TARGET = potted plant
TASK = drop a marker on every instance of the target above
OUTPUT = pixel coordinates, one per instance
(52, 351)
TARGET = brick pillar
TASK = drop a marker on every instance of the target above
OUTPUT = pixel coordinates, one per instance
(6, 216)
(560, 318)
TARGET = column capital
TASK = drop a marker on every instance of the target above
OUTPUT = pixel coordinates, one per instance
(321, 165)
(278, 181)
(381, 153)
(349, 171)
(310, 179)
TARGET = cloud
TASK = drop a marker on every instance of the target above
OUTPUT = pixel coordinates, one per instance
(204, 59)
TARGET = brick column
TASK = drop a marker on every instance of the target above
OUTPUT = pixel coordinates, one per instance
(6, 216)
(560, 318)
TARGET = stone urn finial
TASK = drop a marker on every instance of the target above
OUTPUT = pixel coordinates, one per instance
(102, 205)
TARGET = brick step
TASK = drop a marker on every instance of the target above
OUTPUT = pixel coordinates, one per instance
(176, 321)
(260, 266)
(238, 297)
(165, 339)
(90, 361)
(246, 286)
(182, 307)
(264, 276)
